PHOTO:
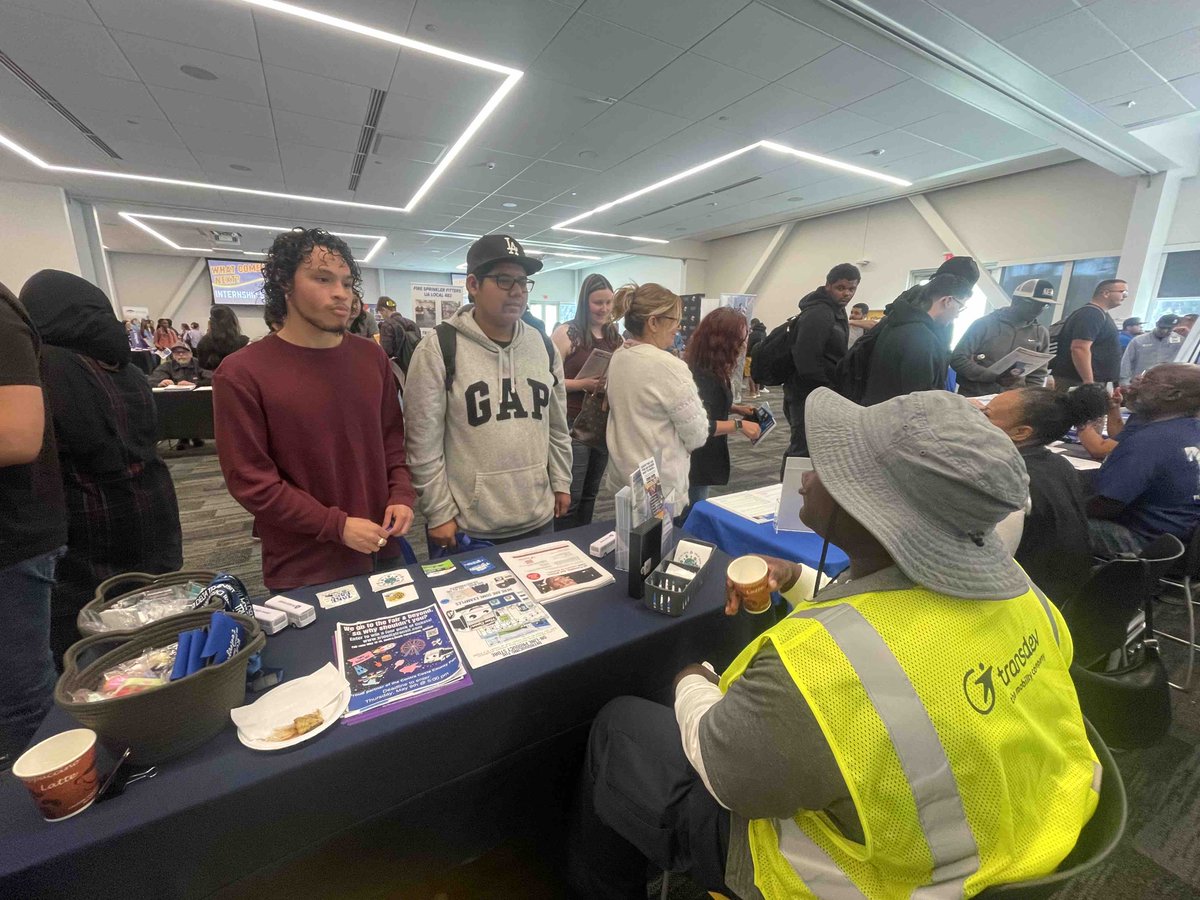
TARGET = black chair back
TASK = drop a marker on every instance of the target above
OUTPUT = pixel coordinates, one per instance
(1100, 613)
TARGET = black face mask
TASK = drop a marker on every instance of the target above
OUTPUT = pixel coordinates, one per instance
(1028, 309)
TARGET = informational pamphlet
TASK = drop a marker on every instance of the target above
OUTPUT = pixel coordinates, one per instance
(759, 505)
(596, 365)
(384, 581)
(560, 569)
(1023, 361)
(494, 618)
(766, 422)
(337, 596)
(438, 569)
(397, 660)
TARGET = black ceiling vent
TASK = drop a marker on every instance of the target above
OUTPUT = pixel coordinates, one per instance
(53, 103)
(712, 193)
(367, 136)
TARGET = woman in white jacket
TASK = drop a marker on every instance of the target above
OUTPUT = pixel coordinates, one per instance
(654, 407)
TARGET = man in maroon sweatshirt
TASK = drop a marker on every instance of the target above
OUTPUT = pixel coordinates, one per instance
(308, 424)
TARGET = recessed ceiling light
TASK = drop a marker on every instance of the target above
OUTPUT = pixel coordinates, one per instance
(431, 28)
(1129, 104)
(511, 77)
(572, 193)
(714, 203)
(197, 72)
(794, 199)
(240, 167)
(722, 118)
(132, 121)
(588, 154)
(878, 151)
(508, 204)
(681, 229)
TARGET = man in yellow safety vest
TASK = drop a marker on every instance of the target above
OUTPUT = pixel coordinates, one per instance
(911, 732)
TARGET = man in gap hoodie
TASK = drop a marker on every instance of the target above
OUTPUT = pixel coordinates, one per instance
(489, 449)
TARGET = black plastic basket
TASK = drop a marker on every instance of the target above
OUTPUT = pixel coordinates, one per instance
(670, 594)
(165, 722)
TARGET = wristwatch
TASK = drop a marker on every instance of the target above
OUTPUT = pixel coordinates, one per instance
(737, 424)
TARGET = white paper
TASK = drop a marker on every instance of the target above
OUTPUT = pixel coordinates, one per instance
(281, 705)
(758, 505)
(338, 596)
(1025, 360)
(692, 554)
(790, 502)
(384, 581)
(494, 618)
(559, 569)
(596, 365)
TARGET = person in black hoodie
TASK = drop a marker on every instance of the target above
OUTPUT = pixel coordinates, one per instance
(121, 508)
(912, 352)
(822, 333)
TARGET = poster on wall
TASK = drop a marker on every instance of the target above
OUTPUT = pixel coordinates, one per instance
(433, 303)
(236, 282)
(690, 317)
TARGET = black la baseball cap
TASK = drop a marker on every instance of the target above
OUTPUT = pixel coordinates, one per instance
(496, 248)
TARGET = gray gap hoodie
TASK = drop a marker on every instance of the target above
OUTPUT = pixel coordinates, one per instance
(492, 451)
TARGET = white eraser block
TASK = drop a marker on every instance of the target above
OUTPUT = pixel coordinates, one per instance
(271, 620)
(299, 614)
(604, 545)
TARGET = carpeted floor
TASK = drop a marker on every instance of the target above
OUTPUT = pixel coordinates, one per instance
(1158, 859)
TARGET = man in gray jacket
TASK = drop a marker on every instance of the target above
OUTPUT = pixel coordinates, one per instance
(994, 336)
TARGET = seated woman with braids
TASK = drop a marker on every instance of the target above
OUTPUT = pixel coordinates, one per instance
(1055, 550)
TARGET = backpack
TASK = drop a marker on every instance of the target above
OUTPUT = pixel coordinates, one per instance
(850, 376)
(447, 338)
(397, 341)
(771, 363)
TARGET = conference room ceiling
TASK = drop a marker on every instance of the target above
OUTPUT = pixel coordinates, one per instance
(616, 96)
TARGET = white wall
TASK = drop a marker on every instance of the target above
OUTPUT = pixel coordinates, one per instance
(1059, 212)
(641, 269)
(1185, 227)
(35, 231)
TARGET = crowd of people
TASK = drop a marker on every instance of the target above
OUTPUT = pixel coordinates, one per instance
(337, 426)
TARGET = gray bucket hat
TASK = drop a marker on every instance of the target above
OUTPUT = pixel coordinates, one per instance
(930, 478)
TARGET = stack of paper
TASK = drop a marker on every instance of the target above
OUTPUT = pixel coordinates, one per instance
(759, 505)
(551, 571)
(494, 618)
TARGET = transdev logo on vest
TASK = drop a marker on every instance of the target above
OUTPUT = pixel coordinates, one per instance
(978, 684)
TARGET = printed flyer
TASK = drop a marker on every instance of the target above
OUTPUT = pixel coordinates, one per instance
(551, 571)
(493, 618)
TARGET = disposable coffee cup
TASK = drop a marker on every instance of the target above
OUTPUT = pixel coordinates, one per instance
(60, 773)
(749, 575)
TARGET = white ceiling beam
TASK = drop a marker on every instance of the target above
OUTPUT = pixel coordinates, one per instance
(766, 259)
(184, 289)
(1141, 253)
(993, 294)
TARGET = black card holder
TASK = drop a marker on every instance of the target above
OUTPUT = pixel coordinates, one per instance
(645, 552)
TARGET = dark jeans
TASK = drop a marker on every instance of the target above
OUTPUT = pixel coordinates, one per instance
(541, 529)
(793, 411)
(1110, 539)
(698, 492)
(28, 676)
(640, 799)
(587, 471)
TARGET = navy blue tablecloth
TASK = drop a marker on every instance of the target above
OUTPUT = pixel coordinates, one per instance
(444, 772)
(737, 536)
(185, 414)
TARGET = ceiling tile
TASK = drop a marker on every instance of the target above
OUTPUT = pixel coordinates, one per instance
(977, 134)
(537, 115)
(318, 182)
(843, 76)
(295, 128)
(895, 144)
(224, 27)
(148, 131)
(1189, 87)
(159, 63)
(138, 153)
(1139, 23)
(908, 102)
(768, 111)
(300, 156)
(294, 44)
(263, 174)
(80, 10)
(1067, 42)
(511, 33)
(1001, 19)
(312, 95)
(603, 59)
(617, 134)
(554, 174)
(681, 24)
(415, 119)
(1175, 56)
(201, 110)
(1152, 104)
(30, 36)
(837, 129)
(1110, 77)
(244, 146)
(443, 81)
(481, 169)
(523, 189)
(48, 135)
(931, 162)
(393, 183)
(112, 95)
(765, 43)
(695, 87)
(390, 15)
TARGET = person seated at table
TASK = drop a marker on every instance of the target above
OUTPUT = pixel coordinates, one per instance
(180, 368)
(308, 422)
(1147, 486)
(1055, 550)
(223, 338)
(893, 734)
(655, 409)
(122, 514)
(712, 354)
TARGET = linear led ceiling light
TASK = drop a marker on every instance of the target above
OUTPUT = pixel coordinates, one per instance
(704, 166)
(511, 77)
(135, 218)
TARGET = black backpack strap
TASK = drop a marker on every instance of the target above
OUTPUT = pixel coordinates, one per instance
(447, 337)
(550, 353)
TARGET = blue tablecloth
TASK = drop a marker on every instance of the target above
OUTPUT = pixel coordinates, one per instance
(737, 536)
(442, 780)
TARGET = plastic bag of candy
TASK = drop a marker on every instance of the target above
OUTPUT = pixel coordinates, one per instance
(150, 670)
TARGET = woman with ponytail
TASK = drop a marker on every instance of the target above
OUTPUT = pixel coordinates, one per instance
(1055, 550)
(654, 407)
(593, 328)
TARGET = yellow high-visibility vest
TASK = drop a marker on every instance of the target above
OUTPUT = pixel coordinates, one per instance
(957, 730)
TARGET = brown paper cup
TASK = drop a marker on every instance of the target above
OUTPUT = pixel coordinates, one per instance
(749, 575)
(60, 773)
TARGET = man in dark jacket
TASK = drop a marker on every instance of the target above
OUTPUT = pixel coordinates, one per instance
(911, 353)
(179, 368)
(994, 336)
(821, 335)
(395, 331)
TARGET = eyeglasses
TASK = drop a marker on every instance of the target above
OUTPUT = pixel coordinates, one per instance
(961, 304)
(508, 282)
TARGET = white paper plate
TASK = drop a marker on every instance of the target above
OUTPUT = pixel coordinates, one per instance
(332, 711)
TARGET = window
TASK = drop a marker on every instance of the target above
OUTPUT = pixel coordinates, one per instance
(1179, 290)
(547, 312)
(1085, 275)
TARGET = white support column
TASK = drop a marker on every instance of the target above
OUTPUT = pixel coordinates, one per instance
(184, 288)
(1141, 253)
(763, 265)
(993, 294)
